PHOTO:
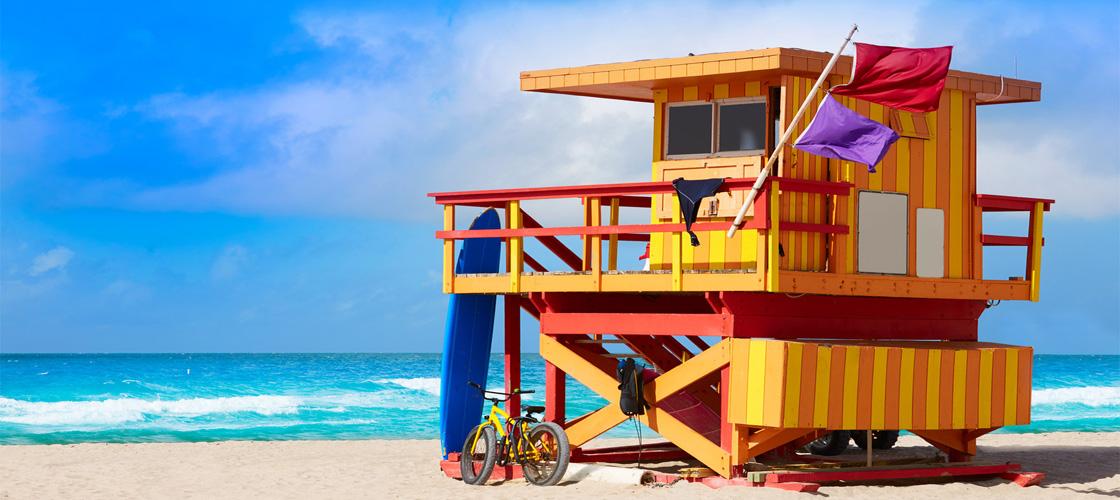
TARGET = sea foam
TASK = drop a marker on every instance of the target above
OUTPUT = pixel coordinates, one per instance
(426, 384)
(123, 410)
(1094, 396)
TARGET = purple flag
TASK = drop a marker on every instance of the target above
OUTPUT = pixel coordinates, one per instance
(838, 132)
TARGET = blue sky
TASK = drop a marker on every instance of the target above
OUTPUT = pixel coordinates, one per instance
(239, 177)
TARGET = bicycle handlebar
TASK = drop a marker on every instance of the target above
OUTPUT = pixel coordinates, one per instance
(507, 394)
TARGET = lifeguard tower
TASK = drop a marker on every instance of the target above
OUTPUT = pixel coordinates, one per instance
(848, 300)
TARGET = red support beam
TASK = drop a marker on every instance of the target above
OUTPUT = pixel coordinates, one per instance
(532, 263)
(715, 325)
(995, 240)
(554, 382)
(1000, 203)
(512, 305)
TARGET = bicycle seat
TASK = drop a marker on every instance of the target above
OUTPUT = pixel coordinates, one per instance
(529, 410)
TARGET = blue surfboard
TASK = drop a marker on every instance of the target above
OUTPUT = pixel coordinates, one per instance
(466, 340)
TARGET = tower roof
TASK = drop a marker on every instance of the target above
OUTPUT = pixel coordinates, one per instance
(636, 80)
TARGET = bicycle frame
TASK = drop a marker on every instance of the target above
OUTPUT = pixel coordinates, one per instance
(513, 427)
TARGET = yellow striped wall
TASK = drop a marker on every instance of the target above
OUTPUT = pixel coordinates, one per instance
(934, 172)
(884, 385)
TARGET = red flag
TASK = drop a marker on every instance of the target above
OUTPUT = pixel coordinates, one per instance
(906, 79)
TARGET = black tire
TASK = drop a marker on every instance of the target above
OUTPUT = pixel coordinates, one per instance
(484, 454)
(880, 440)
(833, 443)
(550, 440)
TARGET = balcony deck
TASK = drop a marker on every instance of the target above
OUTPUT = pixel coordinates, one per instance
(592, 271)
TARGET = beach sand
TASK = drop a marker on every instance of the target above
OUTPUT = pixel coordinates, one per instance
(1077, 464)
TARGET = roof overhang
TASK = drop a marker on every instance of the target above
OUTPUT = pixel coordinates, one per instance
(636, 81)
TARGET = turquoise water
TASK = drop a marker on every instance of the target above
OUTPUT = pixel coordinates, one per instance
(205, 397)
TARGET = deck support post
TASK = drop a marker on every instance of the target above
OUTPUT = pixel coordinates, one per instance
(554, 407)
(512, 305)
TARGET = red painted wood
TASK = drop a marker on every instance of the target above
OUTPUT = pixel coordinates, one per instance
(814, 228)
(636, 324)
(554, 406)
(512, 305)
(623, 189)
(886, 474)
(554, 245)
(995, 240)
(644, 456)
(1001, 203)
(532, 263)
(1024, 479)
(450, 468)
(759, 314)
(798, 487)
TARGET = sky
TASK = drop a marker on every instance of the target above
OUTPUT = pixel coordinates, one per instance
(236, 177)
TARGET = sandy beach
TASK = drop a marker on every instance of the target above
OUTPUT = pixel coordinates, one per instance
(1077, 464)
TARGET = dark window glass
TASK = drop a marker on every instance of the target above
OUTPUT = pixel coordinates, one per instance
(742, 127)
(690, 130)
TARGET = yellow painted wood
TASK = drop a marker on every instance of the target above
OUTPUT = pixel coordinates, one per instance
(692, 442)
(1036, 250)
(879, 388)
(756, 381)
(1010, 387)
(739, 382)
(659, 98)
(774, 397)
(906, 390)
(573, 364)
(688, 258)
(955, 213)
(753, 89)
(875, 179)
(929, 164)
(984, 394)
(820, 399)
(448, 250)
(960, 370)
(773, 261)
(691, 93)
(850, 238)
(720, 91)
(717, 249)
(684, 374)
(793, 382)
(933, 389)
(851, 385)
(595, 424)
(676, 249)
(902, 162)
(612, 242)
(748, 249)
(516, 252)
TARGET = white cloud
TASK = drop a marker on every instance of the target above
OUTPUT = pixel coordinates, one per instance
(414, 107)
(55, 258)
(407, 107)
(229, 263)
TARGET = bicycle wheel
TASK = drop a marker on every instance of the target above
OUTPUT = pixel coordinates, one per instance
(478, 457)
(552, 454)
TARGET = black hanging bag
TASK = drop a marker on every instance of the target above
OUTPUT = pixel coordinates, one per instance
(631, 399)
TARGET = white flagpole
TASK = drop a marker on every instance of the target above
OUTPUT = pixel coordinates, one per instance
(785, 136)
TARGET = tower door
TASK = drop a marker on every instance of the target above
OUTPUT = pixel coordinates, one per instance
(882, 233)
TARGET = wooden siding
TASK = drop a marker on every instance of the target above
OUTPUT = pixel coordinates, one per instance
(882, 385)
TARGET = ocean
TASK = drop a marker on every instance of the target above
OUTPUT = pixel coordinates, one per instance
(72, 398)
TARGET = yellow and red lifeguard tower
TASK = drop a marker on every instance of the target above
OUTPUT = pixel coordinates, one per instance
(848, 301)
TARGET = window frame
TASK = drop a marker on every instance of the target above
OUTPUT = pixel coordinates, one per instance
(714, 145)
(715, 133)
(665, 130)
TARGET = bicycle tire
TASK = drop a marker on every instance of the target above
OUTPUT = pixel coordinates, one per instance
(550, 469)
(485, 453)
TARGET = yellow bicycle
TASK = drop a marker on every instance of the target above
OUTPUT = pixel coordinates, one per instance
(540, 448)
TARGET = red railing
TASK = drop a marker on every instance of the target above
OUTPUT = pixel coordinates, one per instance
(1033, 241)
(520, 224)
